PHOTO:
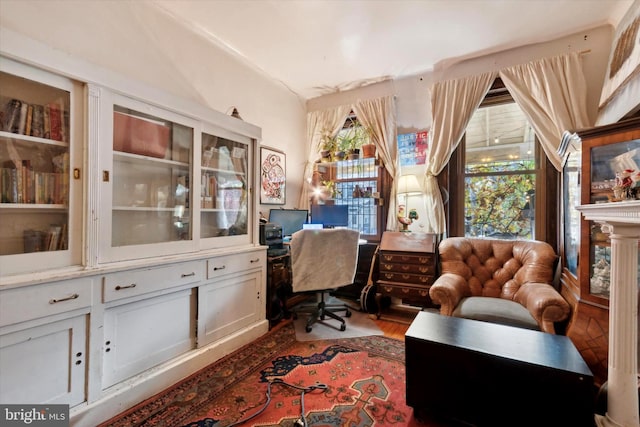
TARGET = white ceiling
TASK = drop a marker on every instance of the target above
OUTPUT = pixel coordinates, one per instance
(315, 47)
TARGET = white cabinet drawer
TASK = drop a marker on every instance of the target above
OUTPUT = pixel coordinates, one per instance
(35, 301)
(131, 283)
(227, 264)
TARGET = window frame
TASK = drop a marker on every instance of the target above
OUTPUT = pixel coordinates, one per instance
(547, 181)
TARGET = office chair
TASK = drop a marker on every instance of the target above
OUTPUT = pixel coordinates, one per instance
(321, 261)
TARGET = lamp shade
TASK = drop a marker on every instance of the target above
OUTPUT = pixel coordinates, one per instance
(408, 184)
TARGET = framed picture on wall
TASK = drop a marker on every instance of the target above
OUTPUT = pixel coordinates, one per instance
(273, 176)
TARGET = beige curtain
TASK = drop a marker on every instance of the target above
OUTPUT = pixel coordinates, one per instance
(453, 102)
(552, 93)
(317, 121)
(379, 115)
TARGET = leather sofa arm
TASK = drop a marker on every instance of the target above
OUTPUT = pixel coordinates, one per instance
(448, 290)
(544, 303)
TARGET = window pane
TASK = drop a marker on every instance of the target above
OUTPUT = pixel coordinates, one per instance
(501, 206)
(500, 180)
(500, 138)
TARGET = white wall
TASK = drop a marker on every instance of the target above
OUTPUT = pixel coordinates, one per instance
(136, 40)
(413, 96)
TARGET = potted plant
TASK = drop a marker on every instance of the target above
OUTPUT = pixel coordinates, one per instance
(368, 147)
(330, 189)
(328, 146)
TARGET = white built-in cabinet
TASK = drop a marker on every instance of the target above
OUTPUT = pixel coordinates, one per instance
(232, 297)
(43, 342)
(129, 254)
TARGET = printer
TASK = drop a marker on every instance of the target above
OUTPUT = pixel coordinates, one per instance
(271, 236)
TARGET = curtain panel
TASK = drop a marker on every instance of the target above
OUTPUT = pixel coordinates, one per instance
(453, 102)
(551, 92)
(317, 121)
(379, 115)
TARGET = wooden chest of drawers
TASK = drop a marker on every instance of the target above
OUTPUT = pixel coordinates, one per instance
(408, 266)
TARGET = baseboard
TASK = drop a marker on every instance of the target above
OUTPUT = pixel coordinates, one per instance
(134, 390)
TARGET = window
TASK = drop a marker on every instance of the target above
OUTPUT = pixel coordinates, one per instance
(500, 174)
(500, 182)
(347, 176)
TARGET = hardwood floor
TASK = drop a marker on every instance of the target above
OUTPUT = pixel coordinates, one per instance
(392, 328)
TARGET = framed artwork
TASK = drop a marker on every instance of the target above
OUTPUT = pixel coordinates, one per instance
(273, 176)
(623, 71)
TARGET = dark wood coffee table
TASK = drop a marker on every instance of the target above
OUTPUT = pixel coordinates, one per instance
(486, 374)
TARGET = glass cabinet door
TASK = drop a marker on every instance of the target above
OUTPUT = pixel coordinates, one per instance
(35, 176)
(571, 216)
(224, 185)
(151, 179)
(605, 162)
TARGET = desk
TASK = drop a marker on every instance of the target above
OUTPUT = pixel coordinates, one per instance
(278, 287)
(496, 375)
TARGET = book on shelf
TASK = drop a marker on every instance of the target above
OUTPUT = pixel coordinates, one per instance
(37, 121)
(24, 108)
(12, 116)
(27, 128)
(55, 121)
(46, 122)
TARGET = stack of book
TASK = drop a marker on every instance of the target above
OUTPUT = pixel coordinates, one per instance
(49, 121)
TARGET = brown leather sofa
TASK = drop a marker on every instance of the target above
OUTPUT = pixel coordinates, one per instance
(500, 281)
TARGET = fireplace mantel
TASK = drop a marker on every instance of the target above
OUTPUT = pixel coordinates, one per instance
(621, 220)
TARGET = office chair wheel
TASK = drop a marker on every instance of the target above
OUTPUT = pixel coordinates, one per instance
(343, 327)
(308, 329)
(347, 314)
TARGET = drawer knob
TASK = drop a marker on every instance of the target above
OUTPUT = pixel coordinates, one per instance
(70, 297)
(118, 288)
(406, 267)
(424, 269)
(254, 260)
(219, 268)
(388, 266)
(193, 273)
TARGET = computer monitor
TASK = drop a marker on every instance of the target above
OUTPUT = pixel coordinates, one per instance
(291, 220)
(330, 216)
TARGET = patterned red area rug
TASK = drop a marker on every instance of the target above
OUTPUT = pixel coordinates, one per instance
(364, 378)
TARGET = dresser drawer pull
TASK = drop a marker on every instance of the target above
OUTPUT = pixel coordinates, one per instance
(424, 279)
(193, 273)
(406, 276)
(254, 260)
(388, 276)
(219, 268)
(388, 266)
(424, 269)
(406, 267)
(118, 288)
(405, 290)
(70, 297)
(388, 257)
(424, 260)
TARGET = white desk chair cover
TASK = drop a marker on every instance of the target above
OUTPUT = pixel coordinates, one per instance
(323, 259)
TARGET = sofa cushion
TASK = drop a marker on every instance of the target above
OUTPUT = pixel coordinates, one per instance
(496, 310)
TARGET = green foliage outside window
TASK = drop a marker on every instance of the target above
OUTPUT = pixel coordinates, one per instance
(500, 199)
